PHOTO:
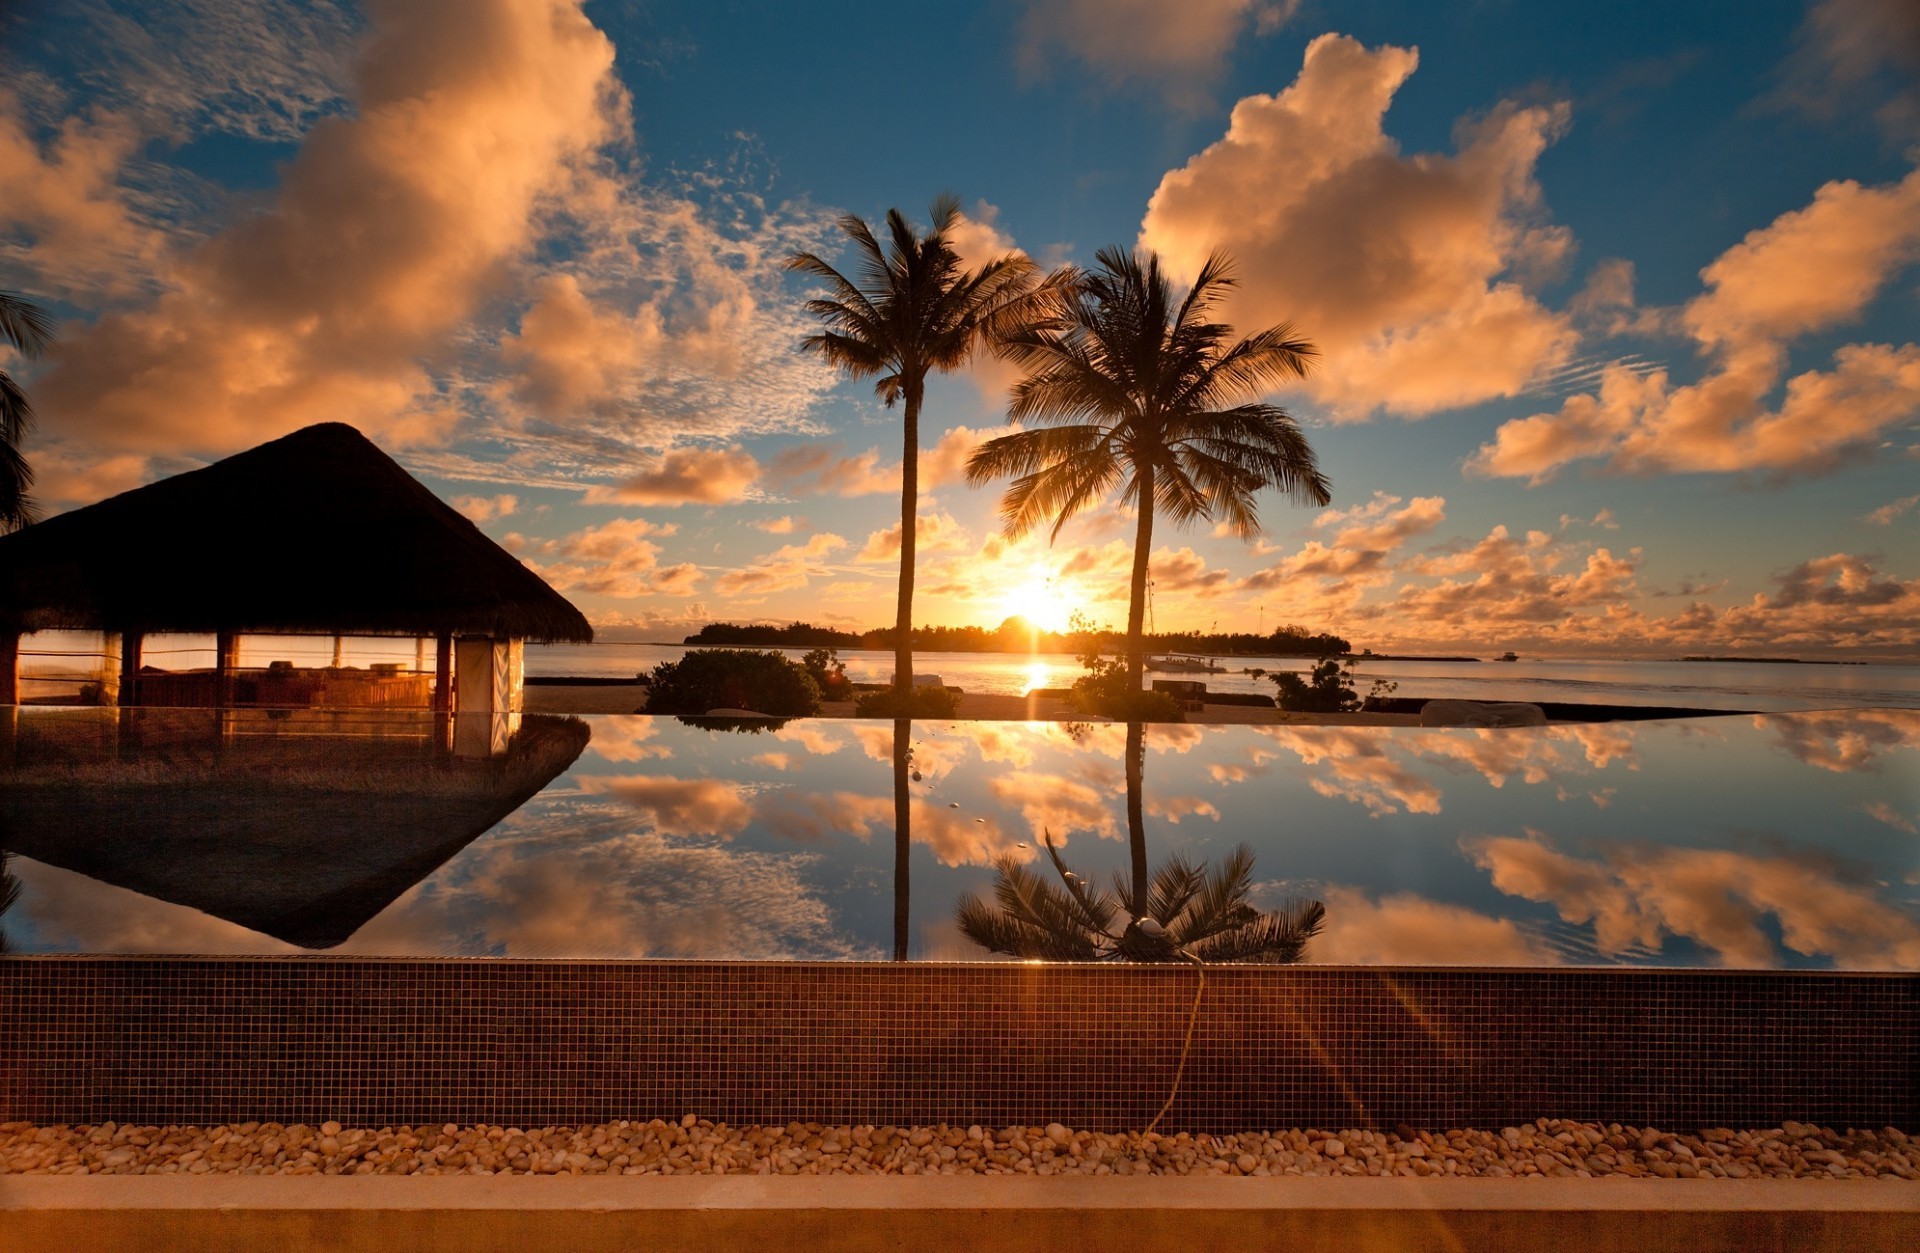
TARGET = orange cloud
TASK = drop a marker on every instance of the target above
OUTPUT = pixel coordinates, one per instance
(1408, 930)
(1172, 43)
(65, 195)
(679, 806)
(390, 227)
(613, 559)
(485, 508)
(685, 476)
(789, 566)
(1405, 271)
(1810, 270)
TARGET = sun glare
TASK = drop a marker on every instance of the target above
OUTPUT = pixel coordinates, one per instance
(1041, 600)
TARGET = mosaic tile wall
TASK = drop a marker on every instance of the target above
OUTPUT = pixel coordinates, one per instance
(525, 1043)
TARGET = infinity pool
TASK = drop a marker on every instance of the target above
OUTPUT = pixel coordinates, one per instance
(1775, 840)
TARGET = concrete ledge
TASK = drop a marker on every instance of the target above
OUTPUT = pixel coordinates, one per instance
(519, 1212)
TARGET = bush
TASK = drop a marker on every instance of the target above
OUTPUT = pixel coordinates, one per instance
(927, 701)
(732, 678)
(1328, 690)
(1105, 690)
(829, 673)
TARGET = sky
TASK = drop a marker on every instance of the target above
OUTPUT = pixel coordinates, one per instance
(1617, 306)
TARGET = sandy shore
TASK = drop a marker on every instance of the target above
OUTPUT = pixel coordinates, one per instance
(567, 699)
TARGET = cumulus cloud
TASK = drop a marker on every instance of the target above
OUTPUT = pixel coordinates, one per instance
(1171, 42)
(1406, 271)
(1808, 271)
(932, 533)
(785, 524)
(823, 468)
(1719, 898)
(388, 230)
(67, 225)
(1858, 56)
(685, 476)
(482, 509)
(788, 566)
(674, 806)
(614, 559)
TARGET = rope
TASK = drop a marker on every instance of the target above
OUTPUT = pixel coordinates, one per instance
(1193, 1017)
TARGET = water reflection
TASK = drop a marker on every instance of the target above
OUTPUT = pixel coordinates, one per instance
(1783, 840)
(1182, 910)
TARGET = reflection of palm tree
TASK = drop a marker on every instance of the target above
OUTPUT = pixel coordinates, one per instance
(27, 327)
(902, 832)
(1181, 910)
(9, 895)
(1131, 390)
(916, 309)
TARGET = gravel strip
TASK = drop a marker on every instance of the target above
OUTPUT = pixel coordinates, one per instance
(696, 1146)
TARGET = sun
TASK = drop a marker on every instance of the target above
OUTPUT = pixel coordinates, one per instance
(1041, 599)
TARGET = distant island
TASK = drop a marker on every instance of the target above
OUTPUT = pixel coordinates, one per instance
(1015, 635)
(1779, 661)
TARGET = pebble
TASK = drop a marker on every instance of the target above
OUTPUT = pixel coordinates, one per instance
(695, 1145)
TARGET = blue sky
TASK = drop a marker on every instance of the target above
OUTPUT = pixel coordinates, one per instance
(1618, 303)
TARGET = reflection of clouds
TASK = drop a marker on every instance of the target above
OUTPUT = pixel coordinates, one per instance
(1056, 803)
(69, 912)
(775, 761)
(1174, 737)
(578, 883)
(812, 736)
(1880, 811)
(875, 739)
(1717, 898)
(1844, 740)
(1009, 742)
(814, 816)
(958, 840)
(1174, 808)
(625, 738)
(1410, 930)
(1357, 768)
(679, 806)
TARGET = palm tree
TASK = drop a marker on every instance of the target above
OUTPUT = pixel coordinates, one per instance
(27, 327)
(1180, 910)
(915, 309)
(1130, 388)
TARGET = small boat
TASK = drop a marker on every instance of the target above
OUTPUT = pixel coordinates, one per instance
(1509, 657)
(1174, 663)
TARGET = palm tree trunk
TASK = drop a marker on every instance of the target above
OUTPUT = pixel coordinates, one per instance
(1137, 605)
(902, 834)
(1136, 821)
(909, 511)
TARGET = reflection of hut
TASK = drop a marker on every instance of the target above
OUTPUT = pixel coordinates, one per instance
(302, 835)
(318, 534)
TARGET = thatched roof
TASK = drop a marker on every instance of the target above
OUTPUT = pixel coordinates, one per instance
(305, 839)
(318, 532)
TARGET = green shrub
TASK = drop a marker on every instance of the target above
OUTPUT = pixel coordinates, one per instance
(1105, 690)
(1328, 690)
(732, 678)
(829, 673)
(927, 701)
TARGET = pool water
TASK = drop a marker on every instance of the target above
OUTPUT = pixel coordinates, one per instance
(1772, 840)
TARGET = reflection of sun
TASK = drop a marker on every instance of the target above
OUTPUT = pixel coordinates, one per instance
(1040, 599)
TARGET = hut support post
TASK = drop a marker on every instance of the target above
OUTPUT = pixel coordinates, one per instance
(131, 645)
(226, 660)
(9, 668)
(109, 669)
(443, 675)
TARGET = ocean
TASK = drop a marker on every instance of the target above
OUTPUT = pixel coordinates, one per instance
(1693, 684)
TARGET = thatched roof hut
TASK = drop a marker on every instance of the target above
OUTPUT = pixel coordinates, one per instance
(318, 532)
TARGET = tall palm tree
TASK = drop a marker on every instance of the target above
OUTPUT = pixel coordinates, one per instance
(913, 309)
(1130, 388)
(27, 327)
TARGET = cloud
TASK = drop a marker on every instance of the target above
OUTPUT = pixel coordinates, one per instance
(1170, 42)
(813, 817)
(480, 509)
(388, 231)
(1856, 56)
(686, 476)
(627, 739)
(822, 468)
(782, 525)
(614, 559)
(82, 233)
(1719, 898)
(786, 567)
(1406, 271)
(1808, 271)
(1888, 514)
(932, 533)
(1846, 741)
(1056, 803)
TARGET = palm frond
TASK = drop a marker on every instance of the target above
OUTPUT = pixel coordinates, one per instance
(24, 324)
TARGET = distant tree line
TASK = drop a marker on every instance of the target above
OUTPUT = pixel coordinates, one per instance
(1016, 636)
